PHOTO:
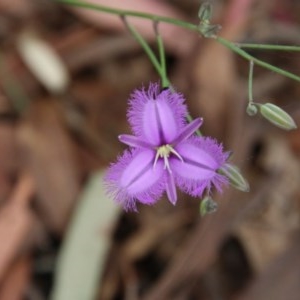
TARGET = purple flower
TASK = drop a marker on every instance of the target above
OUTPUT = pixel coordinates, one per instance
(164, 152)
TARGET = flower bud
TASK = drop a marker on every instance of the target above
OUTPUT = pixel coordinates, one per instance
(251, 110)
(208, 206)
(235, 177)
(277, 116)
(206, 29)
(205, 11)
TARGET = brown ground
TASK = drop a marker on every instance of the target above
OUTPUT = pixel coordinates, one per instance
(53, 140)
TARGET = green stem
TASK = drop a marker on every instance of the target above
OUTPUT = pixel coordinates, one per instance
(230, 45)
(250, 82)
(162, 56)
(257, 61)
(120, 12)
(145, 46)
(268, 47)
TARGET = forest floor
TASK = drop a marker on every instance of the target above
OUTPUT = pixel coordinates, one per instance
(62, 237)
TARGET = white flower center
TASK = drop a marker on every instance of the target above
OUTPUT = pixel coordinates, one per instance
(164, 152)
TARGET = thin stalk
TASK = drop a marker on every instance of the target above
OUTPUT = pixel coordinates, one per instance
(250, 82)
(236, 48)
(257, 61)
(268, 47)
(120, 12)
(162, 56)
(145, 46)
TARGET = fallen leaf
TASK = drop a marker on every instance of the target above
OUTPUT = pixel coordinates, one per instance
(14, 286)
(15, 223)
(83, 254)
(48, 154)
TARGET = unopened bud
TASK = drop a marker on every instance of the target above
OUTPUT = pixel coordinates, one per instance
(205, 11)
(235, 177)
(251, 110)
(277, 116)
(208, 206)
(206, 29)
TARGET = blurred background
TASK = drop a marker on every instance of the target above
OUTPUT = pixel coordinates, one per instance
(65, 78)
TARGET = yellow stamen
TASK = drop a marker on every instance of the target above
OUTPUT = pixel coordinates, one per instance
(164, 152)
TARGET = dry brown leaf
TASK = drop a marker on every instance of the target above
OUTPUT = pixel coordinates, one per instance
(214, 77)
(15, 283)
(8, 148)
(294, 135)
(280, 280)
(267, 228)
(19, 8)
(49, 156)
(15, 222)
(8, 159)
(152, 234)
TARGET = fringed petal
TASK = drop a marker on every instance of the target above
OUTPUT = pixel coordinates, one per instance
(157, 116)
(132, 178)
(202, 157)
